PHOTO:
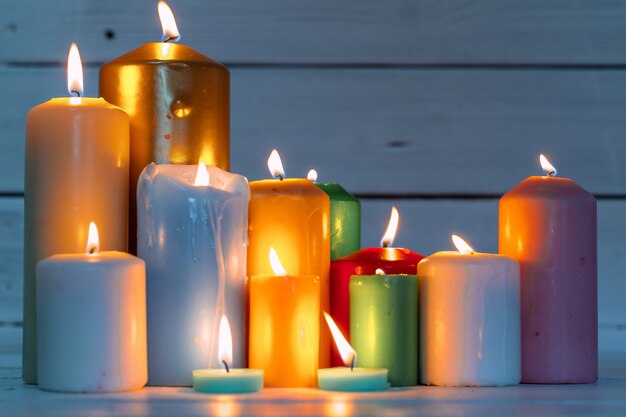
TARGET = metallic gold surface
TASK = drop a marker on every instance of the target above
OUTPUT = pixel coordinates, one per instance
(178, 101)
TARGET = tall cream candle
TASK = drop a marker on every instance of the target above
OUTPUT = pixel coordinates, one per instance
(76, 171)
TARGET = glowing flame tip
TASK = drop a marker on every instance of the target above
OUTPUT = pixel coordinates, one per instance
(225, 346)
(202, 176)
(74, 72)
(392, 227)
(347, 353)
(93, 240)
(380, 271)
(168, 23)
(547, 166)
(312, 175)
(277, 267)
(461, 245)
(275, 164)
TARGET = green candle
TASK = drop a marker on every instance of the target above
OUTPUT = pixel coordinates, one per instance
(345, 218)
(383, 324)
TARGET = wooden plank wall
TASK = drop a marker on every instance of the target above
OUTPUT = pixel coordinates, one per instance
(438, 106)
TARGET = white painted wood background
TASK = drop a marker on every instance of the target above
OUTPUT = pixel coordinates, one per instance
(439, 106)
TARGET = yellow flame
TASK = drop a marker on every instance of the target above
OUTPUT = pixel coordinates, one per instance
(547, 166)
(392, 227)
(348, 354)
(461, 245)
(277, 267)
(93, 240)
(168, 23)
(312, 175)
(74, 72)
(202, 176)
(380, 271)
(275, 164)
(225, 346)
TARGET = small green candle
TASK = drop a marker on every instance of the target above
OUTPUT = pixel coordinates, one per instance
(345, 218)
(383, 324)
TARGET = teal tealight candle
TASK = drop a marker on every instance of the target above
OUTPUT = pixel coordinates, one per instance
(352, 380)
(233, 381)
(345, 218)
(383, 324)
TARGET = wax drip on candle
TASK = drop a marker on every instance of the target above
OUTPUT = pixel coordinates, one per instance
(547, 166)
(392, 227)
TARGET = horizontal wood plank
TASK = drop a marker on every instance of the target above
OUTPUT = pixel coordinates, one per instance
(425, 227)
(328, 31)
(402, 131)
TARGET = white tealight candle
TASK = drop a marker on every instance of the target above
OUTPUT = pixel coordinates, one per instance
(469, 318)
(227, 380)
(91, 314)
(349, 378)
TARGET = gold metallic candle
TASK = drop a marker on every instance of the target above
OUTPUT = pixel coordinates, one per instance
(178, 103)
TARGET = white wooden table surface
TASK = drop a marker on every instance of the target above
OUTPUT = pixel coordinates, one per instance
(607, 397)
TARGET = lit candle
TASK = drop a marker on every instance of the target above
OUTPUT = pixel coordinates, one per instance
(227, 380)
(469, 318)
(91, 311)
(549, 225)
(178, 101)
(349, 378)
(383, 324)
(76, 171)
(284, 326)
(366, 262)
(192, 235)
(292, 215)
(345, 218)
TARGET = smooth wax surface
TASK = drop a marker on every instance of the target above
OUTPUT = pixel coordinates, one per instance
(549, 225)
(193, 239)
(285, 329)
(345, 220)
(76, 172)
(383, 324)
(352, 380)
(236, 381)
(363, 262)
(92, 322)
(178, 101)
(293, 216)
(469, 320)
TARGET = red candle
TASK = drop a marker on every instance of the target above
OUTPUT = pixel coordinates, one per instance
(549, 225)
(365, 262)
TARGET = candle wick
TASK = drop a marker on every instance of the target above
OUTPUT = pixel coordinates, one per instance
(75, 92)
(226, 366)
(92, 250)
(167, 38)
(353, 363)
(385, 245)
(280, 177)
(552, 173)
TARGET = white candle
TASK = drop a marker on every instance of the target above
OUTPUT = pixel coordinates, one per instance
(91, 312)
(469, 318)
(192, 223)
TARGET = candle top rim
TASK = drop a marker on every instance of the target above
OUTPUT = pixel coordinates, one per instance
(474, 256)
(151, 53)
(364, 255)
(337, 191)
(100, 258)
(550, 188)
(184, 176)
(86, 103)
(357, 371)
(232, 372)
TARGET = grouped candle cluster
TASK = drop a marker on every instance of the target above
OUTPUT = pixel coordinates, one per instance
(240, 285)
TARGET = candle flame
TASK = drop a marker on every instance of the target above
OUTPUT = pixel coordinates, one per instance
(347, 353)
(462, 246)
(312, 175)
(275, 164)
(392, 227)
(277, 267)
(225, 346)
(547, 166)
(380, 271)
(74, 72)
(93, 240)
(168, 23)
(202, 176)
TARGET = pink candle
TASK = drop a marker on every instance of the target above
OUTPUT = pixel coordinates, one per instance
(549, 225)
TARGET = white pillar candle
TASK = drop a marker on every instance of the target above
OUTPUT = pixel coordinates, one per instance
(91, 312)
(192, 235)
(469, 318)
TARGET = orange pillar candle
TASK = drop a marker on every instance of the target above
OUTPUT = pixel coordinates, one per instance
(76, 172)
(178, 101)
(292, 215)
(285, 326)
